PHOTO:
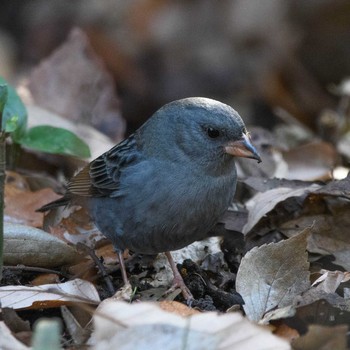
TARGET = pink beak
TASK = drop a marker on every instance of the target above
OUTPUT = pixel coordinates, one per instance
(242, 148)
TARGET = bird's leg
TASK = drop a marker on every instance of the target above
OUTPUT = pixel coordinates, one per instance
(126, 292)
(122, 267)
(178, 281)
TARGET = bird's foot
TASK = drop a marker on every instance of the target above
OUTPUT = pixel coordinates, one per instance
(178, 283)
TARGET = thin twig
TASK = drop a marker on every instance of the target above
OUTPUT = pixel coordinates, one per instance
(107, 278)
(36, 269)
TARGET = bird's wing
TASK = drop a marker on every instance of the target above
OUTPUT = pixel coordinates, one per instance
(101, 176)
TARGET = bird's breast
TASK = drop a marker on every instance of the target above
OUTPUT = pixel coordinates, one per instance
(166, 211)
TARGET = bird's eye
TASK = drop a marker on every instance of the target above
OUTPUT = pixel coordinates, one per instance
(213, 133)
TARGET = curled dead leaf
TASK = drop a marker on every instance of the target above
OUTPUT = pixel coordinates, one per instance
(33, 247)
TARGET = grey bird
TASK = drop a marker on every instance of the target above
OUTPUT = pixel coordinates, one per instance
(166, 185)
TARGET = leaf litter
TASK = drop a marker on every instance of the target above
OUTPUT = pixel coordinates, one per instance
(289, 268)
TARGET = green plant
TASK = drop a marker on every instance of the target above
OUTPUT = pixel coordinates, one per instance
(3, 101)
(45, 138)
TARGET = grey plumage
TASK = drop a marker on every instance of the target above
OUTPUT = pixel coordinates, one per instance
(166, 185)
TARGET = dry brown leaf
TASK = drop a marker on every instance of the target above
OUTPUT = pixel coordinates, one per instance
(313, 161)
(329, 234)
(108, 254)
(336, 188)
(272, 275)
(260, 184)
(20, 206)
(8, 341)
(326, 209)
(73, 82)
(45, 278)
(33, 247)
(196, 251)
(145, 326)
(125, 293)
(326, 205)
(323, 338)
(177, 308)
(14, 321)
(329, 281)
(286, 332)
(15, 183)
(314, 306)
(263, 203)
(79, 333)
(326, 310)
(234, 220)
(48, 295)
(278, 314)
(73, 224)
(85, 269)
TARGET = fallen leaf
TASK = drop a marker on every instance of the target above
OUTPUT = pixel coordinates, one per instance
(74, 225)
(310, 162)
(15, 183)
(177, 308)
(75, 329)
(8, 341)
(323, 338)
(234, 220)
(329, 281)
(48, 295)
(329, 235)
(85, 269)
(125, 293)
(278, 314)
(33, 247)
(45, 278)
(13, 321)
(286, 332)
(336, 188)
(261, 184)
(263, 203)
(73, 82)
(20, 207)
(272, 275)
(320, 311)
(325, 205)
(145, 326)
(196, 251)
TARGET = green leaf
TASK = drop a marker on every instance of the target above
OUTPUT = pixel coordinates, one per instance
(11, 124)
(55, 140)
(14, 118)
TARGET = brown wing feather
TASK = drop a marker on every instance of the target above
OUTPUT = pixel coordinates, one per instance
(101, 176)
(81, 183)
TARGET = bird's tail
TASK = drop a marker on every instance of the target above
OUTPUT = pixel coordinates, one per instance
(55, 204)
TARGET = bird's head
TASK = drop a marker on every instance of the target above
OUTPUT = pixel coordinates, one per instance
(200, 130)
